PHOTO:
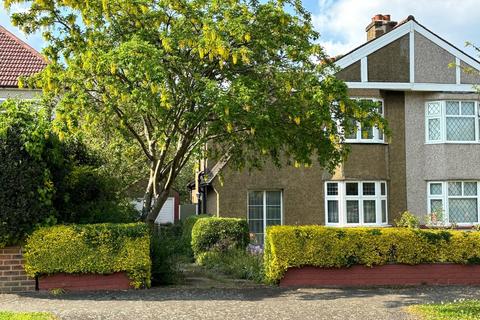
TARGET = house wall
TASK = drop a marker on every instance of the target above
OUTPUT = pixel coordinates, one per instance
(427, 162)
(350, 73)
(390, 63)
(303, 188)
(12, 274)
(432, 62)
(6, 93)
(468, 74)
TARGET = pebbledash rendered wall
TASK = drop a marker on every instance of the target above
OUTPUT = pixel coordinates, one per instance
(433, 162)
(12, 274)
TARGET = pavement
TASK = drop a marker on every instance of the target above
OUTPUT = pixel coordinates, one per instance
(255, 302)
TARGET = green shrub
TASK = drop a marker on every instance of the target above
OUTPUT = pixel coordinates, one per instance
(408, 220)
(96, 248)
(186, 236)
(235, 262)
(166, 252)
(26, 188)
(296, 246)
(219, 234)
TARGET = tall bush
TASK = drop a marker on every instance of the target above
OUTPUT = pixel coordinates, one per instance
(220, 234)
(26, 187)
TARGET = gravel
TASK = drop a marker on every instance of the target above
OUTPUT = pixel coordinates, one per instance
(230, 303)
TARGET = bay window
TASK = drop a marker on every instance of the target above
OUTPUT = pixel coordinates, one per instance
(457, 200)
(264, 209)
(356, 203)
(451, 121)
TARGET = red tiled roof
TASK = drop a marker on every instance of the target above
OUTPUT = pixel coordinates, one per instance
(17, 59)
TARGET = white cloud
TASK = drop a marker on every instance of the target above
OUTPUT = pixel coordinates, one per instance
(342, 23)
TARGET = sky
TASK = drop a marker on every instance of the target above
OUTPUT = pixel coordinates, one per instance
(342, 23)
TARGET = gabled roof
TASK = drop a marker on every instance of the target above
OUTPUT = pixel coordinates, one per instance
(408, 27)
(17, 59)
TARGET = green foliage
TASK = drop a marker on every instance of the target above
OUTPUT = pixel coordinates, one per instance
(167, 253)
(95, 248)
(296, 246)
(7, 315)
(26, 187)
(219, 234)
(457, 310)
(86, 195)
(44, 179)
(247, 77)
(408, 220)
(235, 262)
(186, 236)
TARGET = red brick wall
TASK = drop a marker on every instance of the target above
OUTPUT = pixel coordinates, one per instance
(12, 274)
(84, 282)
(387, 275)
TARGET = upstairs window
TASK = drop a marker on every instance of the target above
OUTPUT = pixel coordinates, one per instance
(451, 121)
(365, 134)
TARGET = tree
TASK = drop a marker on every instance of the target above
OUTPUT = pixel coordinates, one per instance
(245, 77)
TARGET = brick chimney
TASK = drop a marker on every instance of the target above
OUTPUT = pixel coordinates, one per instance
(380, 25)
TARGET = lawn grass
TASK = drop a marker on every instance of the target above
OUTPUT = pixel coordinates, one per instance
(6, 315)
(459, 310)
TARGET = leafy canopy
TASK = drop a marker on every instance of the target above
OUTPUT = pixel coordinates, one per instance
(245, 77)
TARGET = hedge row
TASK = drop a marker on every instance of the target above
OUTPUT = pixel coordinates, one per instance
(96, 248)
(219, 234)
(297, 246)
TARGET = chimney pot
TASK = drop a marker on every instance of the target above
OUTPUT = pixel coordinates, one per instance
(380, 25)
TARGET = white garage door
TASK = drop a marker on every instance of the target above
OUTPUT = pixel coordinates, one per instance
(167, 212)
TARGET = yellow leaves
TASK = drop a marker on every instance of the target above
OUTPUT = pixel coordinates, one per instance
(296, 164)
(154, 88)
(113, 68)
(167, 44)
(244, 54)
(201, 52)
(342, 106)
(247, 37)
(252, 131)
(226, 111)
(247, 108)
(229, 127)
(296, 120)
(234, 58)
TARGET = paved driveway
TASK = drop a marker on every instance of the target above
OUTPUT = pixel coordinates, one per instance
(246, 303)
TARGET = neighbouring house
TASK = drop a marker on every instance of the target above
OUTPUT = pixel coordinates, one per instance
(17, 59)
(429, 163)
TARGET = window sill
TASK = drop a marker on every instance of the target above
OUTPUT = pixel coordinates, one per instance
(454, 142)
(365, 142)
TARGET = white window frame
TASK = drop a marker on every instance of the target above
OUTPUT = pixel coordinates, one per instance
(442, 116)
(445, 197)
(342, 198)
(264, 192)
(376, 131)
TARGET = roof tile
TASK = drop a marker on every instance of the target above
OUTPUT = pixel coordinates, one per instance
(17, 59)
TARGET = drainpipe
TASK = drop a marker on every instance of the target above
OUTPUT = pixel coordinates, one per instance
(200, 192)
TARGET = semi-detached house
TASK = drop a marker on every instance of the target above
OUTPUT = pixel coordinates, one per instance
(429, 163)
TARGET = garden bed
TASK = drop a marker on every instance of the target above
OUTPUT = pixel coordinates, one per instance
(384, 275)
(85, 282)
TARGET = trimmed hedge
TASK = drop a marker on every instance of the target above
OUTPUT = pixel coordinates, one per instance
(297, 246)
(219, 234)
(94, 248)
(186, 236)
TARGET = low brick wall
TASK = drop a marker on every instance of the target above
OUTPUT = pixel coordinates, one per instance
(12, 273)
(85, 282)
(386, 275)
